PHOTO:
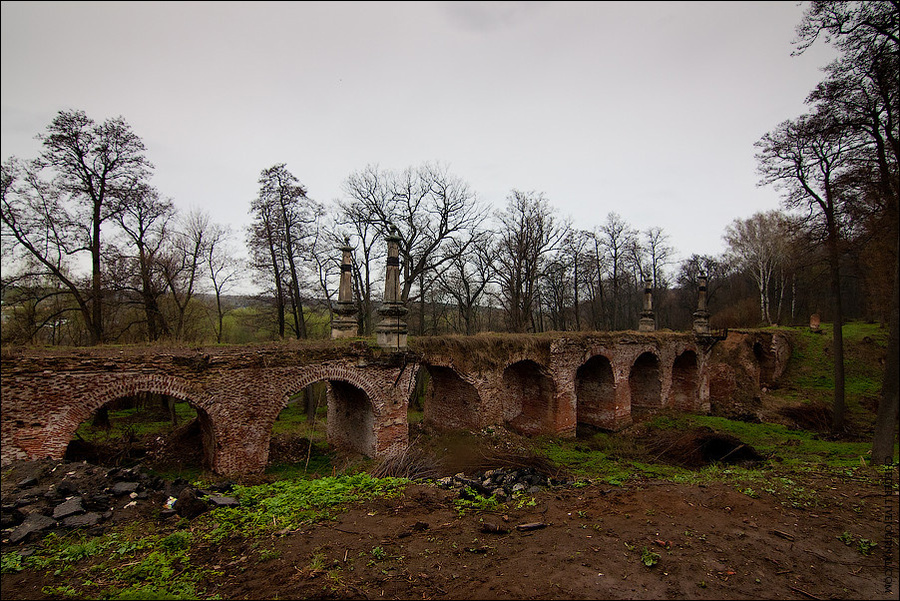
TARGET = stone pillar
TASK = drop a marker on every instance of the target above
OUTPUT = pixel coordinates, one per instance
(647, 323)
(701, 315)
(390, 333)
(343, 321)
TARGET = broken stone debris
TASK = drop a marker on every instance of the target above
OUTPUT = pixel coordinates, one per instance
(501, 483)
(67, 495)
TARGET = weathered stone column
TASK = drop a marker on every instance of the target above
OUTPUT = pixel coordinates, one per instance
(390, 333)
(701, 315)
(343, 322)
(647, 323)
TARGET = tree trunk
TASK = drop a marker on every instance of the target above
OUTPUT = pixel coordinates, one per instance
(839, 406)
(312, 403)
(96, 323)
(577, 311)
(886, 420)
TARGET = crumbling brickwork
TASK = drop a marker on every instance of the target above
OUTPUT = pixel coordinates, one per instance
(546, 384)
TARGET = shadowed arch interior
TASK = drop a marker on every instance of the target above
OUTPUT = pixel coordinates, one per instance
(451, 403)
(766, 361)
(148, 394)
(646, 388)
(350, 418)
(685, 382)
(529, 398)
(595, 394)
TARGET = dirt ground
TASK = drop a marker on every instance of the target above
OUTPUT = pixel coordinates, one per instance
(711, 542)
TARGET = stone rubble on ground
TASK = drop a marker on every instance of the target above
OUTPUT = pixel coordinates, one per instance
(67, 495)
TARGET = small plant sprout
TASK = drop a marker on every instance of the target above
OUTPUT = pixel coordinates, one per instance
(649, 558)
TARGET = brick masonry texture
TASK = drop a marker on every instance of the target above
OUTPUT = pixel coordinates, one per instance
(544, 384)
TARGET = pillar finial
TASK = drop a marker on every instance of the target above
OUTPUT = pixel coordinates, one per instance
(391, 331)
(344, 323)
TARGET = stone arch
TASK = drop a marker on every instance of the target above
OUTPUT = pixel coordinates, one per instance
(76, 413)
(595, 393)
(644, 381)
(685, 390)
(353, 410)
(529, 398)
(451, 403)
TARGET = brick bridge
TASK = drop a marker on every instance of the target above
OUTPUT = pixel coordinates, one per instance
(532, 384)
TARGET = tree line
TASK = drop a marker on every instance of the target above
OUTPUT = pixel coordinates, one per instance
(161, 274)
(92, 253)
(466, 266)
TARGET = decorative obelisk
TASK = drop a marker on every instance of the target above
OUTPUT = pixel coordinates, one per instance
(701, 315)
(390, 333)
(647, 322)
(343, 321)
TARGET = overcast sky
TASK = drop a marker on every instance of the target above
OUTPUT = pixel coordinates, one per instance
(647, 109)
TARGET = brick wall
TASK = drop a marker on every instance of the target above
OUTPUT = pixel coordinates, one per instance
(534, 385)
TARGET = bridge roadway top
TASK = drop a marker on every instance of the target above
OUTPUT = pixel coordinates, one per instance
(481, 351)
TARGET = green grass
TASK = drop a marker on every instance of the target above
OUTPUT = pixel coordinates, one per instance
(810, 372)
(288, 504)
(136, 421)
(133, 564)
(151, 566)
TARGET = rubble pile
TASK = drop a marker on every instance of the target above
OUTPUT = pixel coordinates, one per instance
(39, 497)
(501, 483)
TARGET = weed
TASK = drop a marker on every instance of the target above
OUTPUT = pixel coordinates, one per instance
(317, 563)
(378, 553)
(865, 546)
(475, 502)
(267, 554)
(649, 558)
(62, 591)
(177, 541)
(10, 562)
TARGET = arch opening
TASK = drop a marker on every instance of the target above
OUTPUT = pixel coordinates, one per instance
(450, 403)
(350, 418)
(646, 388)
(684, 394)
(298, 440)
(765, 359)
(164, 432)
(595, 396)
(529, 398)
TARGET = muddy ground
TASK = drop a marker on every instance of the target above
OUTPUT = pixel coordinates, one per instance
(574, 542)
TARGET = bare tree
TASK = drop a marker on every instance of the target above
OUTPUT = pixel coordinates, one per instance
(863, 92)
(224, 269)
(432, 211)
(615, 238)
(805, 158)
(95, 168)
(144, 221)
(280, 238)
(575, 252)
(528, 231)
(760, 244)
(184, 262)
(354, 220)
(326, 256)
(468, 276)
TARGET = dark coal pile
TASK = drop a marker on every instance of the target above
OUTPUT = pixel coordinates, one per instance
(502, 483)
(39, 497)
